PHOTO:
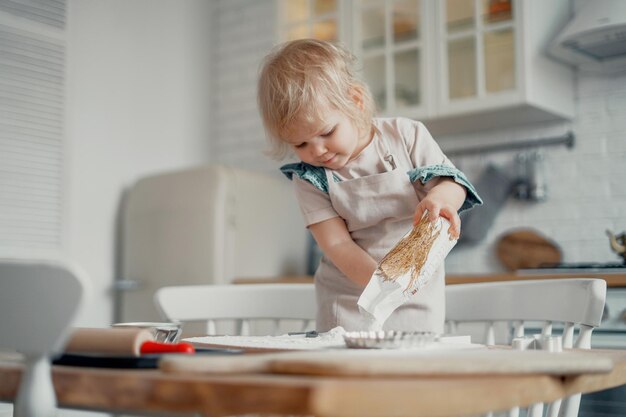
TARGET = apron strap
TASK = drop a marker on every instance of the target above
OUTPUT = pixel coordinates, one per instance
(388, 155)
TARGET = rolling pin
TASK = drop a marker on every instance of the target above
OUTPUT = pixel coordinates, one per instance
(116, 341)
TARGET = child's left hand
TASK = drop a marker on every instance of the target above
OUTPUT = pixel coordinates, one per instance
(443, 200)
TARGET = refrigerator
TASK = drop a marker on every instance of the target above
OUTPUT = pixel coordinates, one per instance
(205, 225)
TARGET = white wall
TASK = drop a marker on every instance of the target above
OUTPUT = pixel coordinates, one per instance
(586, 186)
(138, 97)
(244, 32)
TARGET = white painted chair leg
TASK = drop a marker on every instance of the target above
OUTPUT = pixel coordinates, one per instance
(36, 397)
(245, 327)
(513, 412)
(570, 406)
(553, 409)
(584, 337)
(546, 330)
(242, 327)
(535, 410)
(490, 335)
(275, 326)
(211, 328)
(568, 335)
(305, 325)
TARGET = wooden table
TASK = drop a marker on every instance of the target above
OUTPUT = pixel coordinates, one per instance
(154, 391)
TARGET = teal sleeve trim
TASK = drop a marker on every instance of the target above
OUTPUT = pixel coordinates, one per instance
(427, 173)
(314, 175)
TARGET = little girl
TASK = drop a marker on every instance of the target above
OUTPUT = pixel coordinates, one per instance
(362, 181)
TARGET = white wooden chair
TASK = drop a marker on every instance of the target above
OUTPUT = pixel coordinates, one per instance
(576, 304)
(244, 304)
(38, 301)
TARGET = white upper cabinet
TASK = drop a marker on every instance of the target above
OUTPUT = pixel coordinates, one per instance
(320, 19)
(456, 65)
(490, 66)
(390, 40)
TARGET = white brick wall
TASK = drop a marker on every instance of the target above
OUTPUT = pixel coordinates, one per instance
(244, 32)
(586, 185)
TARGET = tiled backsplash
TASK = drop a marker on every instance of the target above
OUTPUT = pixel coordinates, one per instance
(586, 184)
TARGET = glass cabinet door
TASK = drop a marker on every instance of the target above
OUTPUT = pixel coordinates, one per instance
(390, 41)
(310, 19)
(479, 45)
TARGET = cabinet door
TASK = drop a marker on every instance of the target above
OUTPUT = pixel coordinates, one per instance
(389, 37)
(478, 50)
(318, 19)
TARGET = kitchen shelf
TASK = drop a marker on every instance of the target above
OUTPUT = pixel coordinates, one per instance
(613, 279)
(567, 140)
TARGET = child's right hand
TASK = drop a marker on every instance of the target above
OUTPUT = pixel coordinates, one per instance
(443, 200)
(435, 210)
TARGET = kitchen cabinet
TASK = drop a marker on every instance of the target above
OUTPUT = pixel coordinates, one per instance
(456, 65)
(462, 65)
(319, 19)
(502, 43)
(393, 42)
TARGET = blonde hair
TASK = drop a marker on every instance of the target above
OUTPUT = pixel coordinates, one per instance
(298, 78)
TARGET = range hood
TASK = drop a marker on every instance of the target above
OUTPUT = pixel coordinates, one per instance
(595, 39)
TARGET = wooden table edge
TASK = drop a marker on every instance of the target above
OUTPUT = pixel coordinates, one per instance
(114, 390)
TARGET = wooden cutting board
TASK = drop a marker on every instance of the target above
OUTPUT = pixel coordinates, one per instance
(526, 248)
(397, 363)
(476, 362)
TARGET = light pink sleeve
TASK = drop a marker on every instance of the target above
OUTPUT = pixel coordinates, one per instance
(423, 151)
(314, 203)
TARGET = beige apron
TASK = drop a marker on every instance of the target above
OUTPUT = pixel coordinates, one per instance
(378, 210)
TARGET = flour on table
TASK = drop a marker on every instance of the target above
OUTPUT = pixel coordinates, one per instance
(333, 339)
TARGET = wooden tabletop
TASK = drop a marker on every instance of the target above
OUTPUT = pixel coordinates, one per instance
(221, 395)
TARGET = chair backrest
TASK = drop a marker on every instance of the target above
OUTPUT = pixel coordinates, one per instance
(38, 301)
(572, 302)
(242, 303)
(568, 301)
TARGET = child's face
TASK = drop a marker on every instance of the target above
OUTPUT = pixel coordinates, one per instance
(331, 142)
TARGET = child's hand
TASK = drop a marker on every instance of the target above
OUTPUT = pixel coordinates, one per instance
(444, 200)
(436, 209)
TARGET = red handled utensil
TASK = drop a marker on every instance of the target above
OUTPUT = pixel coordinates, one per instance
(157, 347)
